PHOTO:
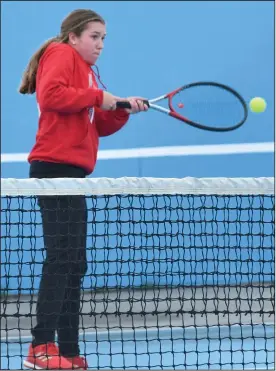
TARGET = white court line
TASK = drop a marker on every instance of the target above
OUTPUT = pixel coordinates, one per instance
(111, 332)
(92, 333)
(147, 152)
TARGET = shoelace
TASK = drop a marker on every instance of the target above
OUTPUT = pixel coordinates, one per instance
(49, 348)
(52, 347)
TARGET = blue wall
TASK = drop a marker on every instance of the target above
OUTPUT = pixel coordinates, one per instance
(151, 48)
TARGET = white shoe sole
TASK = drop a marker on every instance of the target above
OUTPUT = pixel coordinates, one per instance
(32, 366)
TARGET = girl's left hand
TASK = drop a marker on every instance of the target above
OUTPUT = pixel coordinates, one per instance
(137, 105)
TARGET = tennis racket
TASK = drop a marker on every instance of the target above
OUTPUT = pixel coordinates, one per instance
(205, 105)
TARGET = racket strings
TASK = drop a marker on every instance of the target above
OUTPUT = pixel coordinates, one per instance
(209, 105)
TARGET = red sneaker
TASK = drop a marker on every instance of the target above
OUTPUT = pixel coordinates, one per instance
(46, 356)
(78, 363)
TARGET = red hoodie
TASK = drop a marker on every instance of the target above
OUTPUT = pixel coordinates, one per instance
(70, 120)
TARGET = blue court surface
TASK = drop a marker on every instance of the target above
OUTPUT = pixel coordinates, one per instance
(169, 347)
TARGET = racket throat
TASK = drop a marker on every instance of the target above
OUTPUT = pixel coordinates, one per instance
(160, 109)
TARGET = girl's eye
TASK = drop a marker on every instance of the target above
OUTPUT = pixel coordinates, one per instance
(96, 37)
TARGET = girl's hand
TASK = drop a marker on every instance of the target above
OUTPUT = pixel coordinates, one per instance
(137, 105)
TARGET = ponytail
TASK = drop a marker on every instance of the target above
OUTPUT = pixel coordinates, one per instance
(28, 84)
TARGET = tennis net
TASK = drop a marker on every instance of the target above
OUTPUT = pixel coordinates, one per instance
(180, 272)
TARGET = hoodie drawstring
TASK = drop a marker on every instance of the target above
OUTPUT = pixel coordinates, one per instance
(99, 77)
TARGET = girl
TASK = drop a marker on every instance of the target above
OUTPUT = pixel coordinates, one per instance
(73, 114)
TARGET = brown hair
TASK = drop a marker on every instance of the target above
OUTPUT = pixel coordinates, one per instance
(75, 22)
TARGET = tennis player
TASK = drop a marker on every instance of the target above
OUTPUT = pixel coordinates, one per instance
(73, 113)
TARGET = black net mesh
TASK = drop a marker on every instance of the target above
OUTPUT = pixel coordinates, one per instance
(166, 281)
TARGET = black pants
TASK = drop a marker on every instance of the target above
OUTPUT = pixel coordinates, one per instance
(64, 221)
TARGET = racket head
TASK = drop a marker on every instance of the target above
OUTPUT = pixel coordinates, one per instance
(208, 106)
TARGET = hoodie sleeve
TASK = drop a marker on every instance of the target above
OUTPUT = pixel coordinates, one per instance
(54, 92)
(109, 122)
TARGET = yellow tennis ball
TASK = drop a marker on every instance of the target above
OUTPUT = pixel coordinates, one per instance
(257, 105)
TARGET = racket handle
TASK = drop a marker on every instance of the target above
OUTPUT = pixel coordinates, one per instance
(126, 104)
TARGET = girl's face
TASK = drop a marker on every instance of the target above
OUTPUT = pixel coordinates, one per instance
(90, 43)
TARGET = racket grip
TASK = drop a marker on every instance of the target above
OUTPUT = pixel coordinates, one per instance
(126, 104)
